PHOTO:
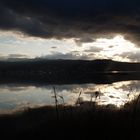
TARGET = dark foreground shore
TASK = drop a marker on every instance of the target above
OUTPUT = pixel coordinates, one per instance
(74, 122)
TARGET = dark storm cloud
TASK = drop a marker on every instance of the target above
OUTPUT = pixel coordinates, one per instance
(83, 19)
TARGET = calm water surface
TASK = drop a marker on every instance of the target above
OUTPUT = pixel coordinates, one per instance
(19, 96)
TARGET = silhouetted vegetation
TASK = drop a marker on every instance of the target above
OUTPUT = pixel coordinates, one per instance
(83, 121)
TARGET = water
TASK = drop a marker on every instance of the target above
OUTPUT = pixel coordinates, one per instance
(15, 97)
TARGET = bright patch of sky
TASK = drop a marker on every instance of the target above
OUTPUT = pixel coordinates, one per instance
(117, 48)
(12, 43)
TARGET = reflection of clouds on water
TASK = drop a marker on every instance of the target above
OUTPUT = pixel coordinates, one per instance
(119, 93)
(15, 87)
(20, 96)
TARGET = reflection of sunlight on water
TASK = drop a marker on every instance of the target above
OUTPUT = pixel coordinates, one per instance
(19, 96)
(116, 94)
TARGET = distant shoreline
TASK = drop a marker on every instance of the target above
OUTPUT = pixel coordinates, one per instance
(96, 78)
(68, 71)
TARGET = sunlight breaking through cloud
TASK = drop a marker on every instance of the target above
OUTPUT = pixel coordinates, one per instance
(16, 45)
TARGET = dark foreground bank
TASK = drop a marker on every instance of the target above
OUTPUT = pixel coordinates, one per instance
(75, 122)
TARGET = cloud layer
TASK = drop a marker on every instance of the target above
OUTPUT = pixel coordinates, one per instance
(83, 19)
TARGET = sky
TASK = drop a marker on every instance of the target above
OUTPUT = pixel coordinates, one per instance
(70, 29)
